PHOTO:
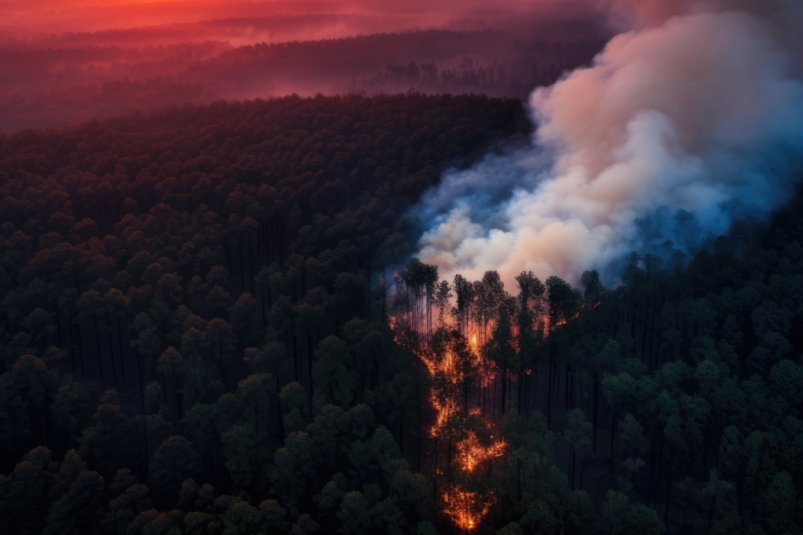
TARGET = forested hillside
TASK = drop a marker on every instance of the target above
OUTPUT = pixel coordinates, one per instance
(70, 82)
(195, 333)
(192, 334)
(669, 404)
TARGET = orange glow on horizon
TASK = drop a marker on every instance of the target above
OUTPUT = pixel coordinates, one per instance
(27, 18)
(73, 61)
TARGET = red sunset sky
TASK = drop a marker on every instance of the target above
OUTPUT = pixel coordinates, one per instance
(63, 62)
(25, 18)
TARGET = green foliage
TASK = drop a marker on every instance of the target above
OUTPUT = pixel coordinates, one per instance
(578, 432)
(623, 517)
(333, 376)
(173, 462)
(220, 274)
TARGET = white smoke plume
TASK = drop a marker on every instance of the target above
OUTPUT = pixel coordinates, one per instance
(690, 120)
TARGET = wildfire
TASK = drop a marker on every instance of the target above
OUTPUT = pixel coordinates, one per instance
(462, 377)
(471, 453)
(443, 411)
(514, 340)
(465, 508)
(451, 370)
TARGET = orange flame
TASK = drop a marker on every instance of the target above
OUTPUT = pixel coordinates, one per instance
(471, 453)
(465, 508)
(514, 340)
(452, 371)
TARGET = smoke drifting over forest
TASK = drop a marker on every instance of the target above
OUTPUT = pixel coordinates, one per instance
(683, 124)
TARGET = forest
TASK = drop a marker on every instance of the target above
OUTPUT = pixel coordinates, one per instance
(211, 323)
(70, 82)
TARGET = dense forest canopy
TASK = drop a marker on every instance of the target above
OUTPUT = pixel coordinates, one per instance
(73, 80)
(195, 337)
(184, 298)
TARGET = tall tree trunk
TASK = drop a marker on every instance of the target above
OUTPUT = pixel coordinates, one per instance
(613, 435)
(401, 432)
(571, 469)
(100, 357)
(595, 412)
(119, 330)
(144, 424)
(549, 390)
(435, 477)
(418, 413)
(582, 470)
(504, 390)
(111, 353)
(668, 485)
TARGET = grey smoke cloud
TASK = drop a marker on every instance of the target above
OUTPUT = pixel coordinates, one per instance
(698, 110)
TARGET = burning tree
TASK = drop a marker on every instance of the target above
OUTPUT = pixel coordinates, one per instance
(485, 341)
(475, 338)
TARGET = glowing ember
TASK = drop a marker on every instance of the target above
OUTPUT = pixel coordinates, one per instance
(463, 380)
(514, 341)
(471, 453)
(466, 508)
(457, 363)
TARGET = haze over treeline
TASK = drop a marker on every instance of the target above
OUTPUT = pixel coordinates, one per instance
(42, 17)
(213, 319)
(65, 63)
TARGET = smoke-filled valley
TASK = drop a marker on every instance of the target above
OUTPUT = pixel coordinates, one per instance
(529, 268)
